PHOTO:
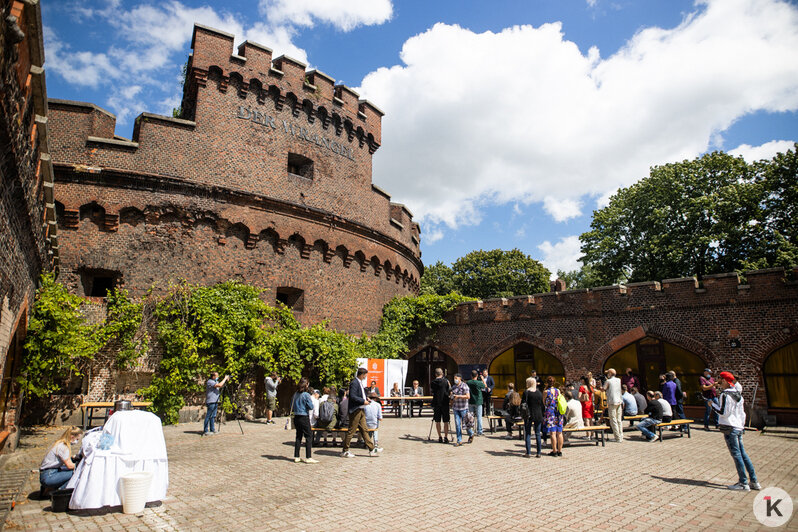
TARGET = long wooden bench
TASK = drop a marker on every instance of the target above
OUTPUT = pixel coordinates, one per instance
(335, 432)
(594, 428)
(674, 423)
(632, 419)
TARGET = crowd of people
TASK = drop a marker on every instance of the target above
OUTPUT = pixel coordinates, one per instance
(539, 410)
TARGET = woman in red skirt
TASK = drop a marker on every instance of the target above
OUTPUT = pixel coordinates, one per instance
(586, 398)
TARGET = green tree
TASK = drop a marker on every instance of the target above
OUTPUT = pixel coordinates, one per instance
(778, 230)
(60, 343)
(498, 273)
(583, 277)
(689, 218)
(437, 279)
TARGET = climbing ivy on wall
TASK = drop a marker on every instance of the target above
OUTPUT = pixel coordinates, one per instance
(60, 343)
(122, 329)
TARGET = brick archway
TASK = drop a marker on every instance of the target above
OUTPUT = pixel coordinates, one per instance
(622, 340)
(500, 347)
(760, 353)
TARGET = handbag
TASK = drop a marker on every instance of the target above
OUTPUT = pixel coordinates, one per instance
(290, 414)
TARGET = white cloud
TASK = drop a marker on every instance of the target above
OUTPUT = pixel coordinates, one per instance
(763, 151)
(563, 255)
(592, 3)
(562, 209)
(523, 114)
(432, 236)
(343, 14)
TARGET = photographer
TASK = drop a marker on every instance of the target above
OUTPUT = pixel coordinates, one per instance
(213, 389)
(272, 382)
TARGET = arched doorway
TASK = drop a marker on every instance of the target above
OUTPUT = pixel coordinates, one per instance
(781, 376)
(422, 365)
(518, 362)
(651, 357)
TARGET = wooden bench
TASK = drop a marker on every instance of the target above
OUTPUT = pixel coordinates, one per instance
(594, 428)
(632, 419)
(674, 423)
(493, 422)
(335, 432)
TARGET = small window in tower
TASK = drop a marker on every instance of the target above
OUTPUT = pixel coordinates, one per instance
(300, 165)
(293, 298)
(97, 283)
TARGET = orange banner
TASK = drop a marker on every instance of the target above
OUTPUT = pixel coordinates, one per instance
(376, 367)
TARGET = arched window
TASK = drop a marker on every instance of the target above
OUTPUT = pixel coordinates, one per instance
(422, 366)
(651, 357)
(781, 377)
(518, 363)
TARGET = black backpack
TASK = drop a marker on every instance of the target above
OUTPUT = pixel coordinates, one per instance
(326, 413)
(524, 408)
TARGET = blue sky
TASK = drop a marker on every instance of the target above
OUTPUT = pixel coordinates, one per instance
(507, 122)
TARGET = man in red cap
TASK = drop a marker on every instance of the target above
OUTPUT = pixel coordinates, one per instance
(731, 422)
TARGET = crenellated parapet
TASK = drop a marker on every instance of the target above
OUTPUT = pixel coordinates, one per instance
(713, 290)
(283, 80)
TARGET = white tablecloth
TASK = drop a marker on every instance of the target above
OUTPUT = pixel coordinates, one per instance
(138, 445)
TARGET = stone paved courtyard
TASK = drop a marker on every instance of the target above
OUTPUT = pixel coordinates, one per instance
(249, 482)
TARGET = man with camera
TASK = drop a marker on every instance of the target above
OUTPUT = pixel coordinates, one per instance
(731, 422)
(213, 389)
(272, 382)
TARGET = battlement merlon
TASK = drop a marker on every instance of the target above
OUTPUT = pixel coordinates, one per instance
(724, 288)
(253, 61)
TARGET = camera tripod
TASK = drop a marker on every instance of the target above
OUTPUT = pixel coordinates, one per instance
(221, 416)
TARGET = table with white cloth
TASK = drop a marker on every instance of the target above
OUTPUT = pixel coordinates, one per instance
(137, 444)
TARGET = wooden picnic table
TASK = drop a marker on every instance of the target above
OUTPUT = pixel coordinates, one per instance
(407, 401)
(88, 408)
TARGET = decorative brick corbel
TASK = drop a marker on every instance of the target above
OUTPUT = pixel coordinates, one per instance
(279, 246)
(328, 255)
(223, 83)
(377, 269)
(252, 241)
(305, 250)
(348, 260)
(111, 222)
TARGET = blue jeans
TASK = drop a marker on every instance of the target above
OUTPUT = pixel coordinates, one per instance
(55, 478)
(210, 417)
(734, 442)
(477, 411)
(643, 427)
(710, 414)
(458, 424)
(528, 425)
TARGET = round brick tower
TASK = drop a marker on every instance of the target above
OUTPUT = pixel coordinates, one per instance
(265, 178)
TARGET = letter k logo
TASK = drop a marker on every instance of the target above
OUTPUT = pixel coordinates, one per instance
(773, 506)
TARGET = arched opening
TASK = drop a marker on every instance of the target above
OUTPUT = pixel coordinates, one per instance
(781, 376)
(651, 357)
(422, 365)
(518, 363)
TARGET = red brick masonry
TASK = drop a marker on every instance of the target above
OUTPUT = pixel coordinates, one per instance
(208, 197)
(583, 328)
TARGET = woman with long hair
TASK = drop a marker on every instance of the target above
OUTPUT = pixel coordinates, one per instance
(302, 406)
(512, 409)
(57, 467)
(554, 420)
(534, 401)
(586, 398)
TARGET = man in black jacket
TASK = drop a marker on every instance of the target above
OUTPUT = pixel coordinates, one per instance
(440, 404)
(654, 411)
(357, 416)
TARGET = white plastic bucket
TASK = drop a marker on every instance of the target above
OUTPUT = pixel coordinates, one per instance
(135, 488)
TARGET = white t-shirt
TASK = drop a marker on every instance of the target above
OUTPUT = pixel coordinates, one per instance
(613, 388)
(56, 456)
(314, 414)
(666, 408)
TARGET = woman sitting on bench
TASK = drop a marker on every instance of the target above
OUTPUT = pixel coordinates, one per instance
(57, 467)
(511, 409)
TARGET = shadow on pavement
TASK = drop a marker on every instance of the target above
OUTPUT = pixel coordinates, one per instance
(690, 482)
(276, 457)
(506, 452)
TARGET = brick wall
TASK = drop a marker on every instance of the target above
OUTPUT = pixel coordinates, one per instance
(583, 328)
(209, 197)
(27, 217)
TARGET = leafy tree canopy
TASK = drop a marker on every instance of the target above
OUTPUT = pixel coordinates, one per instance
(713, 214)
(498, 273)
(437, 279)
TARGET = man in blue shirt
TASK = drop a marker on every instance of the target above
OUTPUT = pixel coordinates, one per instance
(629, 402)
(213, 389)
